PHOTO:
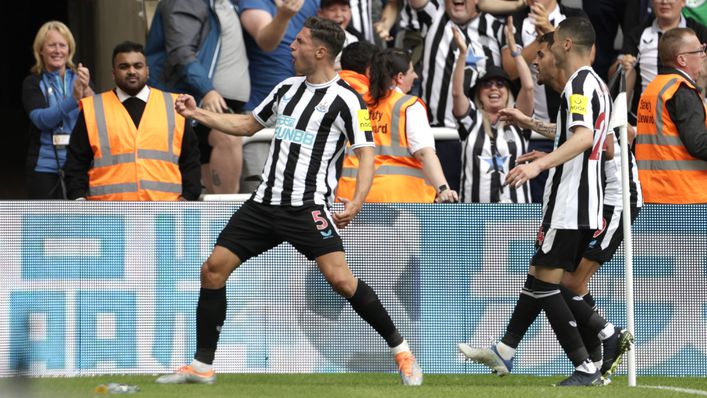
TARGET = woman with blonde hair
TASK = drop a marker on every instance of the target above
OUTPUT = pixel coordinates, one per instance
(489, 146)
(50, 96)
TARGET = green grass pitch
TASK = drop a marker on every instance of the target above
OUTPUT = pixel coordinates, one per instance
(365, 385)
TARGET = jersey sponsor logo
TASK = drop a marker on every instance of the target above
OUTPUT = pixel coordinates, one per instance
(578, 104)
(364, 120)
(286, 99)
(285, 130)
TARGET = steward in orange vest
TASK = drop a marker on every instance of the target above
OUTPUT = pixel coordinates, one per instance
(399, 175)
(669, 173)
(131, 144)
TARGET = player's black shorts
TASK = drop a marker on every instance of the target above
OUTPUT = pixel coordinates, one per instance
(202, 132)
(606, 240)
(256, 228)
(560, 248)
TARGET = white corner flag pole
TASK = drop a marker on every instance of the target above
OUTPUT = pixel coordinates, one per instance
(619, 119)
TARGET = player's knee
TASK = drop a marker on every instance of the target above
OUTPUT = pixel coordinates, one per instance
(342, 284)
(212, 276)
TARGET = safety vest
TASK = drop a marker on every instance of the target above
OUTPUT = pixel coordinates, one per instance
(129, 163)
(398, 176)
(358, 82)
(668, 173)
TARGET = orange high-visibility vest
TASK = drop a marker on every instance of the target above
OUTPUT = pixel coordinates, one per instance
(399, 176)
(358, 82)
(132, 163)
(668, 173)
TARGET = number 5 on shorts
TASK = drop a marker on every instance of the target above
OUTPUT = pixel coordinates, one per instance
(319, 221)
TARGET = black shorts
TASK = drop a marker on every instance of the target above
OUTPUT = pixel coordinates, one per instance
(606, 241)
(256, 228)
(560, 248)
(202, 132)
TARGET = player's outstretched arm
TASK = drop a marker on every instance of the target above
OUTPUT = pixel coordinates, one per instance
(233, 124)
(581, 140)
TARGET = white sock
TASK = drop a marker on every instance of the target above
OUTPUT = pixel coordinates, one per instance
(507, 352)
(200, 366)
(402, 347)
(597, 364)
(587, 367)
(607, 332)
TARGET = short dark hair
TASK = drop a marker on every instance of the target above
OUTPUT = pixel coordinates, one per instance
(127, 47)
(357, 56)
(327, 3)
(580, 30)
(328, 33)
(670, 44)
(548, 38)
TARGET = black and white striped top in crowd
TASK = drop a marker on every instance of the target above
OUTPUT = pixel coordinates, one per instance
(484, 35)
(642, 43)
(417, 20)
(613, 188)
(487, 159)
(573, 197)
(547, 101)
(361, 19)
(313, 123)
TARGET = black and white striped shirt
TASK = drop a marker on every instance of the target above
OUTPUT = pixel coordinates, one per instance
(484, 35)
(312, 125)
(613, 187)
(417, 20)
(486, 161)
(361, 19)
(574, 196)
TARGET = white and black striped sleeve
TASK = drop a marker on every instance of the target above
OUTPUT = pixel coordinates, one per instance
(580, 101)
(468, 122)
(424, 16)
(266, 112)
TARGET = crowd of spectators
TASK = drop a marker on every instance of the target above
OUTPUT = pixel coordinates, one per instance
(229, 54)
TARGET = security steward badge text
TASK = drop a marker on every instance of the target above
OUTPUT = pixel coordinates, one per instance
(364, 120)
(285, 130)
(578, 104)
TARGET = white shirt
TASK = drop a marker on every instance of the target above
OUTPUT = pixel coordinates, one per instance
(144, 94)
(418, 128)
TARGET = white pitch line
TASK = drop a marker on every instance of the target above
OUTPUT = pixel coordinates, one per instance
(677, 389)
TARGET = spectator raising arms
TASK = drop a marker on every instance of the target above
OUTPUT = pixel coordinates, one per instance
(490, 147)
